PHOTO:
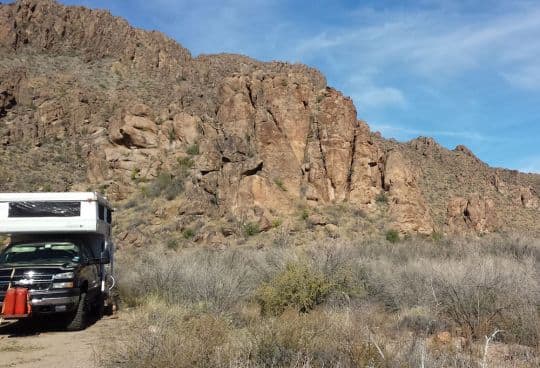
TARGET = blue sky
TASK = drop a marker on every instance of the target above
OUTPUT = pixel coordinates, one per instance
(463, 72)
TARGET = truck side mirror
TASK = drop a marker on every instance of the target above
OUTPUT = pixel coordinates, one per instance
(105, 257)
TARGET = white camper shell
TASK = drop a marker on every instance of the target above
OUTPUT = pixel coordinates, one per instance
(42, 213)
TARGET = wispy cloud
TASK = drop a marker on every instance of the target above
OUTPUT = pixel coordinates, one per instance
(406, 133)
(434, 43)
(379, 97)
(530, 165)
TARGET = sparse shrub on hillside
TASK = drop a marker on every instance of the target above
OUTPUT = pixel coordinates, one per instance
(193, 149)
(165, 184)
(280, 184)
(135, 174)
(437, 236)
(392, 236)
(173, 244)
(381, 198)
(188, 233)
(185, 163)
(251, 228)
(277, 222)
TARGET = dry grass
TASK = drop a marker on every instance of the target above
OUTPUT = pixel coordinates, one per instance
(374, 305)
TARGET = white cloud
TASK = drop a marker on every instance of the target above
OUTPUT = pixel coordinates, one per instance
(435, 44)
(379, 97)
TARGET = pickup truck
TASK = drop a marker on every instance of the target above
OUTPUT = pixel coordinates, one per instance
(60, 255)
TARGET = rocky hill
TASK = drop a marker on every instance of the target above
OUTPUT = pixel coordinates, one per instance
(88, 102)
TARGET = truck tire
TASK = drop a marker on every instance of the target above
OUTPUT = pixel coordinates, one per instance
(79, 319)
(99, 306)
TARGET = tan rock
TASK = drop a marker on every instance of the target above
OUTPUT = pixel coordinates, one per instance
(473, 213)
(134, 131)
(408, 209)
(528, 198)
(186, 127)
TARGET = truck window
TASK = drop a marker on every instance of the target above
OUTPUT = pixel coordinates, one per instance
(44, 209)
(101, 212)
(38, 253)
(109, 216)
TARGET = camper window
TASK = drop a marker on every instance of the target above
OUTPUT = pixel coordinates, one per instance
(44, 209)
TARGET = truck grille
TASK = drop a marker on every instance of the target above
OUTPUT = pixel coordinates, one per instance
(41, 278)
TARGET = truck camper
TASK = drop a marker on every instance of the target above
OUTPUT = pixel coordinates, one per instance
(59, 259)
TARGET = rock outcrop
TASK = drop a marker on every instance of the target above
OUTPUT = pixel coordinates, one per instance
(132, 112)
(475, 213)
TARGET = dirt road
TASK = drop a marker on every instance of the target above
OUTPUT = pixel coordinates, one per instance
(43, 347)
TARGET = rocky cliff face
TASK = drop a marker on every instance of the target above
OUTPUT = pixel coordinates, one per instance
(129, 111)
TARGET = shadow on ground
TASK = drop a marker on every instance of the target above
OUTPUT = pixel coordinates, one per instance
(35, 326)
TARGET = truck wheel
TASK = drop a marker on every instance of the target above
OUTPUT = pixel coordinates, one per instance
(79, 319)
(99, 306)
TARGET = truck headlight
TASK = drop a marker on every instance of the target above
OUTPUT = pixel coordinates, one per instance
(62, 285)
(64, 275)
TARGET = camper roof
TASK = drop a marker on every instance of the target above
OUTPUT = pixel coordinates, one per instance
(71, 212)
(56, 197)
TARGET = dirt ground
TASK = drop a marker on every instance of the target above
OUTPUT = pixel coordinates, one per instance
(41, 345)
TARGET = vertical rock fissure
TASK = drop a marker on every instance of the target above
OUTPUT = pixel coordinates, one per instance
(250, 94)
(275, 121)
(323, 157)
(351, 165)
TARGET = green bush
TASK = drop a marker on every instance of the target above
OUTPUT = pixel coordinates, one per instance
(164, 184)
(251, 228)
(280, 184)
(193, 149)
(299, 286)
(277, 222)
(173, 244)
(392, 236)
(188, 233)
(381, 198)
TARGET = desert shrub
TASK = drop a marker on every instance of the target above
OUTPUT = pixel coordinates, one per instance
(277, 222)
(392, 236)
(193, 149)
(280, 184)
(185, 163)
(188, 233)
(299, 286)
(422, 321)
(164, 184)
(381, 198)
(173, 244)
(251, 228)
(151, 338)
(478, 293)
(393, 298)
(206, 279)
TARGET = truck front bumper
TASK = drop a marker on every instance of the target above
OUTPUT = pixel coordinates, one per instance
(53, 301)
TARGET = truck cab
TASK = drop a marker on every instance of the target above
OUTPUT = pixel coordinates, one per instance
(61, 252)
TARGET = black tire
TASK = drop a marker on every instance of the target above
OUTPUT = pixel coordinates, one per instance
(99, 306)
(79, 319)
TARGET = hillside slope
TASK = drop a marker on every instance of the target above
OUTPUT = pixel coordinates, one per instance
(88, 102)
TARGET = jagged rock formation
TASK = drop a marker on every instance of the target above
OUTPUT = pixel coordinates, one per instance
(243, 138)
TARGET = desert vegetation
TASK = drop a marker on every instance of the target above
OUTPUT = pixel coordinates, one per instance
(413, 303)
